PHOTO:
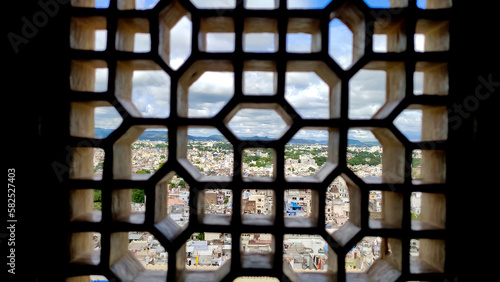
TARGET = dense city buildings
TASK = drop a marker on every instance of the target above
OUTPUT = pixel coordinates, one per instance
(215, 158)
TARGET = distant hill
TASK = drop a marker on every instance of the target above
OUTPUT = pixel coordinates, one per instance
(158, 135)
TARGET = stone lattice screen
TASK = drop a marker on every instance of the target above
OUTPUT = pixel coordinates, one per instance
(122, 21)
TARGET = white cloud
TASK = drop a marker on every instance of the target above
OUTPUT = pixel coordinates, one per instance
(260, 4)
(258, 83)
(107, 117)
(409, 122)
(361, 135)
(419, 40)
(306, 92)
(380, 43)
(340, 46)
(101, 80)
(151, 93)
(257, 122)
(180, 43)
(366, 93)
(213, 4)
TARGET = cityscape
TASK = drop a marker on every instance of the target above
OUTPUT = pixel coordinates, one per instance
(302, 252)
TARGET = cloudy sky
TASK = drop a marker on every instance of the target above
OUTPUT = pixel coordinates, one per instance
(305, 91)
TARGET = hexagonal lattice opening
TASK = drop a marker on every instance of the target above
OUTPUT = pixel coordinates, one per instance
(217, 35)
(221, 4)
(376, 90)
(259, 78)
(304, 159)
(300, 208)
(89, 76)
(344, 200)
(347, 25)
(432, 211)
(307, 153)
(205, 88)
(375, 258)
(432, 78)
(385, 209)
(209, 151)
(389, 35)
(93, 119)
(205, 255)
(85, 205)
(126, 262)
(85, 248)
(303, 35)
(215, 206)
(376, 155)
(88, 33)
(180, 46)
(257, 250)
(136, 4)
(132, 35)
(298, 4)
(207, 95)
(427, 256)
(258, 162)
(415, 205)
(319, 88)
(128, 205)
(260, 5)
(409, 122)
(175, 35)
(258, 207)
(337, 206)
(423, 123)
(428, 166)
(143, 88)
(148, 251)
(151, 93)
(364, 153)
(436, 34)
(362, 256)
(308, 94)
(258, 83)
(340, 45)
(81, 164)
(308, 257)
(138, 153)
(260, 35)
(366, 93)
(268, 122)
(172, 210)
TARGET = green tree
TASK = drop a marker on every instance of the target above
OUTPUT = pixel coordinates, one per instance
(201, 236)
(97, 195)
(320, 160)
(138, 195)
(182, 183)
(226, 200)
(143, 171)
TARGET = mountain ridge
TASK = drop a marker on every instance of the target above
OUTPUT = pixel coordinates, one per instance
(156, 135)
